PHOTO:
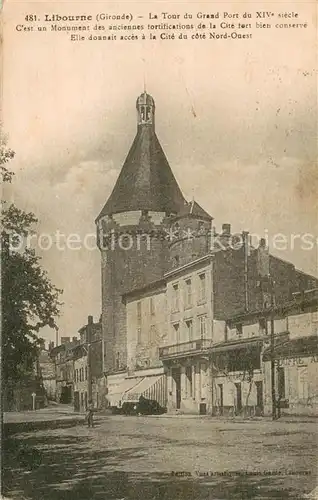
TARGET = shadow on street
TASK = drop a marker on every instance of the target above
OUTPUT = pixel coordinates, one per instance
(64, 468)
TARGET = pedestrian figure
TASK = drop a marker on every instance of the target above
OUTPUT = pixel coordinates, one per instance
(90, 414)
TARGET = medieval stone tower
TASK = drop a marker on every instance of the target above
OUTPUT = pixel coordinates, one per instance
(132, 229)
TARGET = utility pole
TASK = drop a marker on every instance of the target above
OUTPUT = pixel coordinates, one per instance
(89, 331)
(267, 285)
(246, 255)
(271, 284)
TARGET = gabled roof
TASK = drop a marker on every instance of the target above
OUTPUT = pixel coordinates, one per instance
(146, 181)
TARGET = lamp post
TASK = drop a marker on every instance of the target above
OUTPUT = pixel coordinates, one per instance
(33, 400)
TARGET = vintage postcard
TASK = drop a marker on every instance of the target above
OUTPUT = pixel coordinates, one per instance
(159, 250)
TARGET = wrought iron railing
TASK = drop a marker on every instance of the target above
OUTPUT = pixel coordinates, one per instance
(184, 347)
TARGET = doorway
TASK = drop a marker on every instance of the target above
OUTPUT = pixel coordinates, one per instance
(238, 397)
(259, 396)
(281, 383)
(220, 402)
(82, 401)
(176, 375)
(66, 395)
(76, 401)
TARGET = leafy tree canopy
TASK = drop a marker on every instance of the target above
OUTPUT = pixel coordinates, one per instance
(29, 299)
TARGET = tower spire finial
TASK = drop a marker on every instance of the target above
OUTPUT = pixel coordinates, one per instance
(144, 72)
(145, 109)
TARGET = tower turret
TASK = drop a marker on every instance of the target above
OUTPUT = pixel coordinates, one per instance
(190, 234)
(145, 110)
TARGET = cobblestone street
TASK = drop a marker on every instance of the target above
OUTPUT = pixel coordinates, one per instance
(160, 458)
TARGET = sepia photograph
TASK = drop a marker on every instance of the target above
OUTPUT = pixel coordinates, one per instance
(159, 264)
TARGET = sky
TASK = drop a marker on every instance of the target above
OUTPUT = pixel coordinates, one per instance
(237, 121)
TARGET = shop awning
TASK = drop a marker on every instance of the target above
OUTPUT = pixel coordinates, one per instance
(153, 387)
(228, 346)
(116, 397)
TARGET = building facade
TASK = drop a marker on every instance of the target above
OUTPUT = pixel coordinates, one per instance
(190, 325)
(242, 368)
(146, 325)
(78, 367)
(296, 358)
(62, 356)
(88, 367)
(47, 369)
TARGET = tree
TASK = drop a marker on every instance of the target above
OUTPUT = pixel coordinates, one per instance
(236, 367)
(29, 299)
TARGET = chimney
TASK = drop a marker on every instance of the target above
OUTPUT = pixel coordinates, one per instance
(74, 339)
(42, 343)
(226, 229)
(225, 235)
(65, 340)
(262, 243)
(90, 320)
(263, 259)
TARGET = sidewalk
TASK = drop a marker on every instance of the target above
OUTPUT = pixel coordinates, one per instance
(284, 418)
(27, 421)
(39, 416)
(67, 414)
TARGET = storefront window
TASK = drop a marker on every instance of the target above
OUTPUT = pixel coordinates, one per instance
(189, 325)
(202, 321)
(188, 293)
(175, 298)
(176, 333)
(202, 288)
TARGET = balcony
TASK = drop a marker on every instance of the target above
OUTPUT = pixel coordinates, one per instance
(184, 349)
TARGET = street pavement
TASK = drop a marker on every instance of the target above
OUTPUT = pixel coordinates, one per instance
(151, 458)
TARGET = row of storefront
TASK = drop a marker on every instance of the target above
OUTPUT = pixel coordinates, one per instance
(208, 374)
(233, 377)
(236, 379)
(230, 382)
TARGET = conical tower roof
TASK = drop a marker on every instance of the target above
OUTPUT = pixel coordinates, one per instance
(146, 181)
